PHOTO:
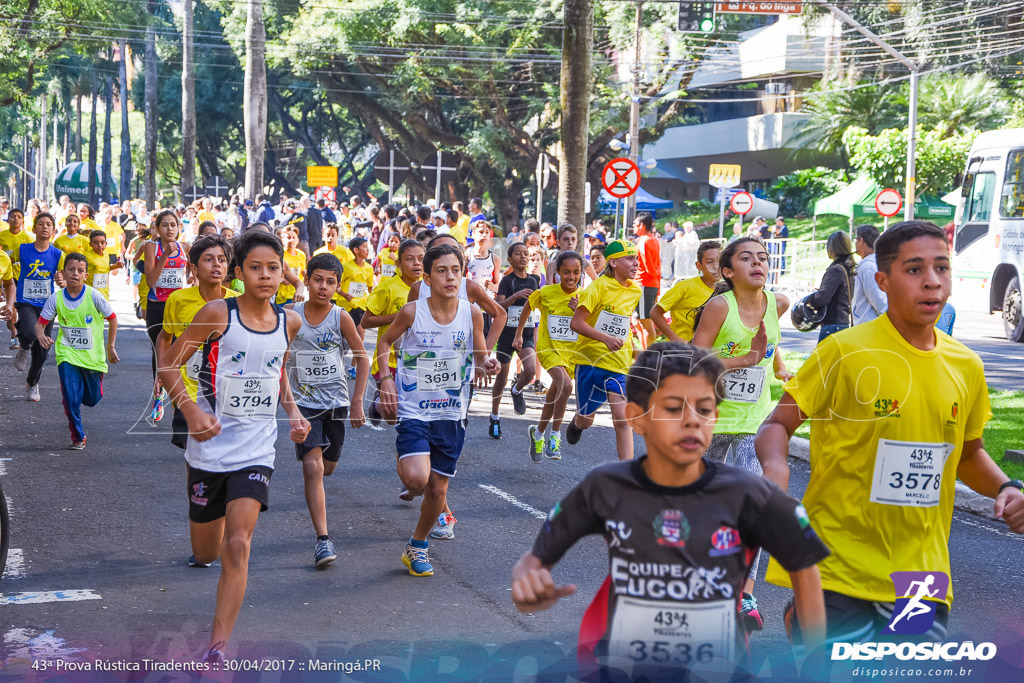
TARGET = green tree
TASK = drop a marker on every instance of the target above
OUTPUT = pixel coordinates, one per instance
(956, 104)
(883, 157)
(873, 108)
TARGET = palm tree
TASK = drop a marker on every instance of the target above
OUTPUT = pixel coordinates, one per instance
(831, 113)
(956, 104)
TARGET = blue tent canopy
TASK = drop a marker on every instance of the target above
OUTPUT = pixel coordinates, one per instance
(645, 201)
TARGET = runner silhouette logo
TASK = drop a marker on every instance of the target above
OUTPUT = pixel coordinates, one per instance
(917, 595)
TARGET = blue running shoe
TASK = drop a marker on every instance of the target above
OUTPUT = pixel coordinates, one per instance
(417, 562)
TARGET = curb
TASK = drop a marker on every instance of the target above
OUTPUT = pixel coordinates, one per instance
(965, 499)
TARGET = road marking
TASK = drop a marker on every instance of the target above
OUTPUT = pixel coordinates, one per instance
(37, 597)
(987, 528)
(515, 501)
(15, 568)
(3, 468)
(29, 644)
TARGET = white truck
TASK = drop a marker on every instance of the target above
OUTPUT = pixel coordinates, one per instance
(989, 238)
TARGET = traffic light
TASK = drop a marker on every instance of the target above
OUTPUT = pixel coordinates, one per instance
(696, 17)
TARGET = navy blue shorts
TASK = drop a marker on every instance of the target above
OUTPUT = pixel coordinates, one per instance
(440, 439)
(593, 385)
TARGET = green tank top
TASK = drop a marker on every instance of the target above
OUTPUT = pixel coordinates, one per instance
(80, 341)
(747, 390)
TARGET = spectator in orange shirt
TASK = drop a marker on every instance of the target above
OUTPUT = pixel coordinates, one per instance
(648, 272)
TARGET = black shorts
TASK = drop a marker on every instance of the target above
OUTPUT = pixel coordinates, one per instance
(357, 315)
(503, 350)
(326, 431)
(210, 492)
(648, 299)
(179, 429)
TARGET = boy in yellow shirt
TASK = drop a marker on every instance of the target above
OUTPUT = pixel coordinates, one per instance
(101, 263)
(683, 299)
(356, 281)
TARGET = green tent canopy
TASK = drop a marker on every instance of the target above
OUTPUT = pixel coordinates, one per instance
(73, 180)
(857, 200)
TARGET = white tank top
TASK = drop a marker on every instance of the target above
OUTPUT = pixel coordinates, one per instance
(481, 269)
(435, 366)
(425, 291)
(317, 362)
(239, 382)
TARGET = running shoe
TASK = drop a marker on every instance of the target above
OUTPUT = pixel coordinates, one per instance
(494, 430)
(538, 387)
(156, 411)
(77, 445)
(573, 433)
(536, 444)
(14, 343)
(32, 394)
(554, 447)
(21, 360)
(193, 562)
(750, 617)
(324, 553)
(445, 527)
(417, 562)
(214, 655)
(518, 400)
(351, 373)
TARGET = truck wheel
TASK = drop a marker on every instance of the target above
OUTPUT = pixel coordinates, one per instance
(1013, 312)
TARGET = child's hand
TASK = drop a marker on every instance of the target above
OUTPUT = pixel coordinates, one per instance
(299, 428)
(613, 343)
(356, 418)
(517, 343)
(388, 401)
(44, 341)
(202, 426)
(758, 345)
(535, 590)
(574, 302)
(112, 356)
(491, 366)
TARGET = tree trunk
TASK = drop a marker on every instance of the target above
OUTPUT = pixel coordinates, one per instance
(126, 138)
(78, 126)
(577, 49)
(107, 193)
(255, 98)
(41, 164)
(92, 142)
(150, 108)
(188, 100)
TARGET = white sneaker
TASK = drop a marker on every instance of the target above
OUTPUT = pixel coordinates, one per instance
(33, 393)
(21, 360)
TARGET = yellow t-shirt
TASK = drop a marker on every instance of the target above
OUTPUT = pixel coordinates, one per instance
(341, 252)
(179, 312)
(888, 424)
(390, 295)
(353, 280)
(204, 216)
(88, 225)
(682, 300)
(6, 267)
(610, 305)
(99, 266)
(115, 237)
(297, 263)
(461, 229)
(388, 263)
(556, 342)
(9, 243)
(77, 244)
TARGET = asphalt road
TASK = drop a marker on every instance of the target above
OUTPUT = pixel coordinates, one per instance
(100, 539)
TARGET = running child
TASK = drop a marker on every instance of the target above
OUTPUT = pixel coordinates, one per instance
(741, 325)
(208, 258)
(81, 355)
(233, 423)
(604, 350)
(332, 247)
(101, 263)
(438, 339)
(386, 263)
(292, 289)
(383, 305)
(897, 411)
(681, 531)
(357, 280)
(317, 364)
(39, 266)
(568, 239)
(513, 291)
(482, 264)
(10, 240)
(685, 297)
(72, 241)
(166, 263)
(556, 350)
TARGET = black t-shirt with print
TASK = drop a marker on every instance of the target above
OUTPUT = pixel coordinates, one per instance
(509, 285)
(677, 558)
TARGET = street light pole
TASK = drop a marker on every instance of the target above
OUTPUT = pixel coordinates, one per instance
(629, 212)
(915, 71)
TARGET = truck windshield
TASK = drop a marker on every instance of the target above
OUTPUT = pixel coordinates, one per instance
(1011, 203)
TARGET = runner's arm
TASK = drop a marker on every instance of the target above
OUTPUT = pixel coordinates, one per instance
(478, 296)
(580, 325)
(772, 442)
(388, 398)
(533, 588)
(981, 473)
(658, 318)
(298, 424)
(711, 321)
(810, 606)
(151, 264)
(524, 317)
(112, 356)
(362, 360)
(489, 365)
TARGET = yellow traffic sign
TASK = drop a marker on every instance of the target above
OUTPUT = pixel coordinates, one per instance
(724, 175)
(317, 176)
